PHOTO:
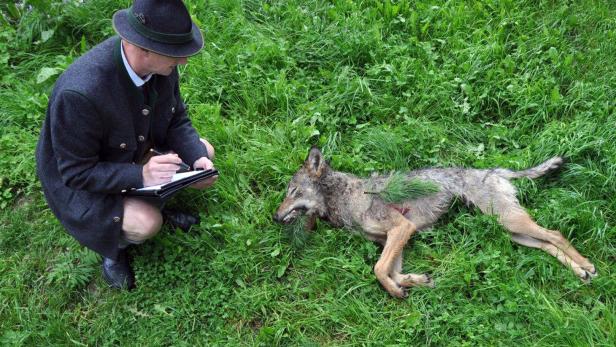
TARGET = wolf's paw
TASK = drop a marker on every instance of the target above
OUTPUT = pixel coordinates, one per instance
(590, 270)
(399, 292)
(412, 280)
(586, 272)
(429, 281)
(587, 276)
(556, 163)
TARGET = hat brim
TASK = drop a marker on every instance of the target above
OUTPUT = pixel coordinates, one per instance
(124, 29)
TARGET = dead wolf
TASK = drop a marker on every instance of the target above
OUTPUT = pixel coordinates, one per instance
(340, 199)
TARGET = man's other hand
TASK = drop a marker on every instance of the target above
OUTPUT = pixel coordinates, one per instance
(205, 164)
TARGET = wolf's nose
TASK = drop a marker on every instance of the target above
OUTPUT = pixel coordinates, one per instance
(275, 218)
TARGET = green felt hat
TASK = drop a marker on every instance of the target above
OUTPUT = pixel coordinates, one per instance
(161, 26)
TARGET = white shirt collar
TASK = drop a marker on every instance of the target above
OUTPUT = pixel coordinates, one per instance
(138, 81)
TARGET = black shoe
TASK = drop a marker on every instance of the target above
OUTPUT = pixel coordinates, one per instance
(118, 273)
(179, 219)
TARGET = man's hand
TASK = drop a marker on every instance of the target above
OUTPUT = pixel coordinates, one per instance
(160, 168)
(205, 164)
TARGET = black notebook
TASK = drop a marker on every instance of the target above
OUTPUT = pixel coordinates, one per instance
(178, 182)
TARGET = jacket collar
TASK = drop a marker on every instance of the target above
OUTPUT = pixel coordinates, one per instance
(136, 93)
(137, 80)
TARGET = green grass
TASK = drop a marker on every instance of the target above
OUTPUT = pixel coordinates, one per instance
(379, 86)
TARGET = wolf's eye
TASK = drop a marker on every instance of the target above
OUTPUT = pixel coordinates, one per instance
(292, 191)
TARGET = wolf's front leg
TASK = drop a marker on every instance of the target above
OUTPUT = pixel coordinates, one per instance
(396, 239)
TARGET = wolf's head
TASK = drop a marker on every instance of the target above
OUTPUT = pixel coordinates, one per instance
(304, 193)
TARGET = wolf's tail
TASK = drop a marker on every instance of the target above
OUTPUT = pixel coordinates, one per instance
(533, 172)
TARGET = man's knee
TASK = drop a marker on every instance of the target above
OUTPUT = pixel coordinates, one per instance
(204, 184)
(210, 149)
(141, 221)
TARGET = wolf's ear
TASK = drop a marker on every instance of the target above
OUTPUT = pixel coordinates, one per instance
(315, 163)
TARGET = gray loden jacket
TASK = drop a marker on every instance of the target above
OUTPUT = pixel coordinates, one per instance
(96, 129)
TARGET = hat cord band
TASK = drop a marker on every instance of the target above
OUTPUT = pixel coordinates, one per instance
(173, 39)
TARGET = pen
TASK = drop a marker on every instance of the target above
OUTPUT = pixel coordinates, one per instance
(183, 165)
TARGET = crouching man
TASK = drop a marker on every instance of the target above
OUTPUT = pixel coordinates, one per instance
(106, 112)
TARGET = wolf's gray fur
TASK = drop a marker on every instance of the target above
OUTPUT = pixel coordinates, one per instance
(340, 199)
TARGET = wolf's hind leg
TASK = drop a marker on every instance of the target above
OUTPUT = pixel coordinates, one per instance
(549, 248)
(410, 279)
(520, 223)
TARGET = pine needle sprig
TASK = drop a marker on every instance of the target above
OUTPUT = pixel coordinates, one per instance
(399, 188)
(296, 232)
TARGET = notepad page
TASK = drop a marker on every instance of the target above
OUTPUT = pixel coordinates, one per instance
(177, 176)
